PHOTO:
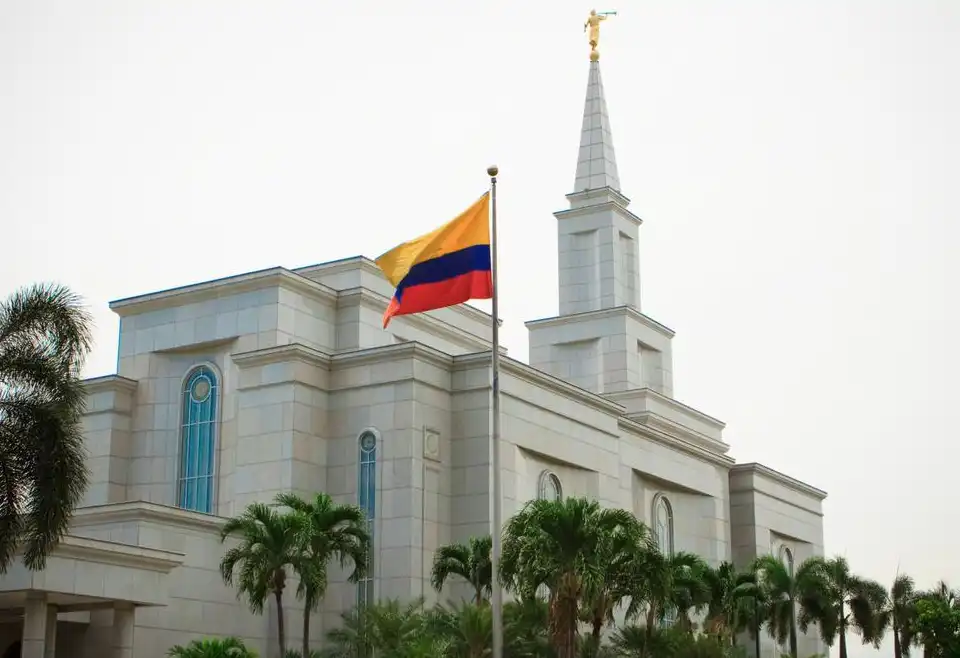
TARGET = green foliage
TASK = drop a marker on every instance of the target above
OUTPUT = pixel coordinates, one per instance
(227, 647)
(329, 532)
(270, 543)
(570, 566)
(938, 625)
(44, 338)
(470, 561)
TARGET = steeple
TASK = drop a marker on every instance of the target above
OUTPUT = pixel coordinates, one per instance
(597, 162)
(600, 340)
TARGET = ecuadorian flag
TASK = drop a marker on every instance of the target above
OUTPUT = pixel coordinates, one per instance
(448, 266)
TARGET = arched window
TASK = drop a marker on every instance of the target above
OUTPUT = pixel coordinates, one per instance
(198, 440)
(663, 535)
(367, 501)
(549, 487)
(786, 556)
(663, 524)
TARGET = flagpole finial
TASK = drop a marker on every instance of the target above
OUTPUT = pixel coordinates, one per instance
(493, 170)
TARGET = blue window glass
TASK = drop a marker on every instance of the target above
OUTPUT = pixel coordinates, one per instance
(367, 501)
(198, 434)
(663, 535)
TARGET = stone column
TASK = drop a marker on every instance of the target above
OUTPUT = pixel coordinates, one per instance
(123, 630)
(35, 622)
(50, 644)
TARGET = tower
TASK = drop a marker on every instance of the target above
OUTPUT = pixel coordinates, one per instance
(600, 340)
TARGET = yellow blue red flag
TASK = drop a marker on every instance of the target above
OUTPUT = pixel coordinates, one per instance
(445, 267)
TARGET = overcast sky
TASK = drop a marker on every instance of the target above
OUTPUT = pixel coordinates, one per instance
(791, 161)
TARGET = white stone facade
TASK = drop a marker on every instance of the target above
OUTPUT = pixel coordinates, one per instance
(230, 391)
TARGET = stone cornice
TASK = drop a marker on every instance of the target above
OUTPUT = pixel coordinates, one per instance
(675, 404)
(616, 311)
(199, 292)
(144, 511)
(675, 442)
(779, 478)
(348, 264)
(115, 553)
(398, 352)
(282, 354)
(109, 383)
(654, 420)
(580, 211)
(540, 379)
(425, 321)
(601, 192)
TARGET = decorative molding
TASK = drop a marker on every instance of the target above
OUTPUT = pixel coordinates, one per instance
(654, 420)
(110, 383)
(600, 192)
(144, 511)
(427, 322)
(616, 311)
(431, 444)
(116, 553)
(675, 442)
(678, 406)
(541, 379)
(614, 205)
(282, 354)
(340, 266)
(778, 477)
(387, 353)
(201, 292)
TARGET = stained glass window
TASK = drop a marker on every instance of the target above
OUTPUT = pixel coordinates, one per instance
(198, 436)
(367, 501)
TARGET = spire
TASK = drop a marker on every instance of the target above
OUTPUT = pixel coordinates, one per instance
(597, 163)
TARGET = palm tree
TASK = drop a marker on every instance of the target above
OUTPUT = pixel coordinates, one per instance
(44, 340)
(617, 553)
(841, 600)
(228, 647)
(664, 584)
(783, 593)
(942, 595)
(270, 542)
(558, 543)
(732, 595)
(897, 613)
(470, 561)
(332, 532)
(389, 629)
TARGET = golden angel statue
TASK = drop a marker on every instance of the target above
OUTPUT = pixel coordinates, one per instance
(593, 24)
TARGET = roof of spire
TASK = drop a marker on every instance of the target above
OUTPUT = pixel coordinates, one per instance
(597, 162)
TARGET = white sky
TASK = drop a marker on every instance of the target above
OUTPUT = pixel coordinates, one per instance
(790, 159)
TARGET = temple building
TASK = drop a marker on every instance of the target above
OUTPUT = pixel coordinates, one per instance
(230, 391)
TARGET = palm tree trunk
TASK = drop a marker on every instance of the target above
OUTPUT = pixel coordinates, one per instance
(793, 629)
(897, 649)
(756, 625)
(281, 635)
(564, 629)
(651, 619)
(597, 628)
(305, 652)
(843, 633)
(478, 595)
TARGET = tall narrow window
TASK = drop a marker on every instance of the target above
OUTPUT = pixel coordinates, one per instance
(663, 524)
(663, 534)
(367, 500)
(198, 437)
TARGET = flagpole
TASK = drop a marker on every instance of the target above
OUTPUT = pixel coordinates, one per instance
(496, 511)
